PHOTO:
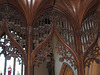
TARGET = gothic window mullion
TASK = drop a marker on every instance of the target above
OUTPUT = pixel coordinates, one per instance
(11, 53)
(22, 69)
(16, 27)
(14, 66)
(5, 66)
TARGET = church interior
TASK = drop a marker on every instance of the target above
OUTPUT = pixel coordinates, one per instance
(49, 37)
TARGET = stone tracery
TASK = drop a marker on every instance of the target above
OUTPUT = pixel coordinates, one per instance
(9, 50)
(89, 32)
(44, 26)
(15, 24)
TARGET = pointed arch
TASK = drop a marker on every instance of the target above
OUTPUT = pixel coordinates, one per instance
(66, 70)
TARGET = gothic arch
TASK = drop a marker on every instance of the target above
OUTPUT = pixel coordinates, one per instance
(39, 54)
(9, 24)
(66, 70)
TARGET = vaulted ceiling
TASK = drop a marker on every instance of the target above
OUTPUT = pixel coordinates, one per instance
(76, 10)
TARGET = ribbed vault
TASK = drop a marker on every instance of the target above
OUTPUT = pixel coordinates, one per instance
(30, 25)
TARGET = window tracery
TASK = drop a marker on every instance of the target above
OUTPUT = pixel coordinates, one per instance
(10, 53)
(15, 24)
(42, 29)
(9, 50)
(64, 29)
(93, 56)
(66, 55)
(89, 32)
(61, 23)
(2, 61)
(43, 54)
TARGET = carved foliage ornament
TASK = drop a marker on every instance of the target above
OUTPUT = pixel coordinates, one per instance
(66, 54)
(93, 56)
(41, 29)
(44, 54)
(44, 25)
(15, 24)
(64, 29)
(9, 50)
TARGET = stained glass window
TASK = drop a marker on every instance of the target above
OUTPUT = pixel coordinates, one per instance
(10, 61)
(2, 61)
(17, 69)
